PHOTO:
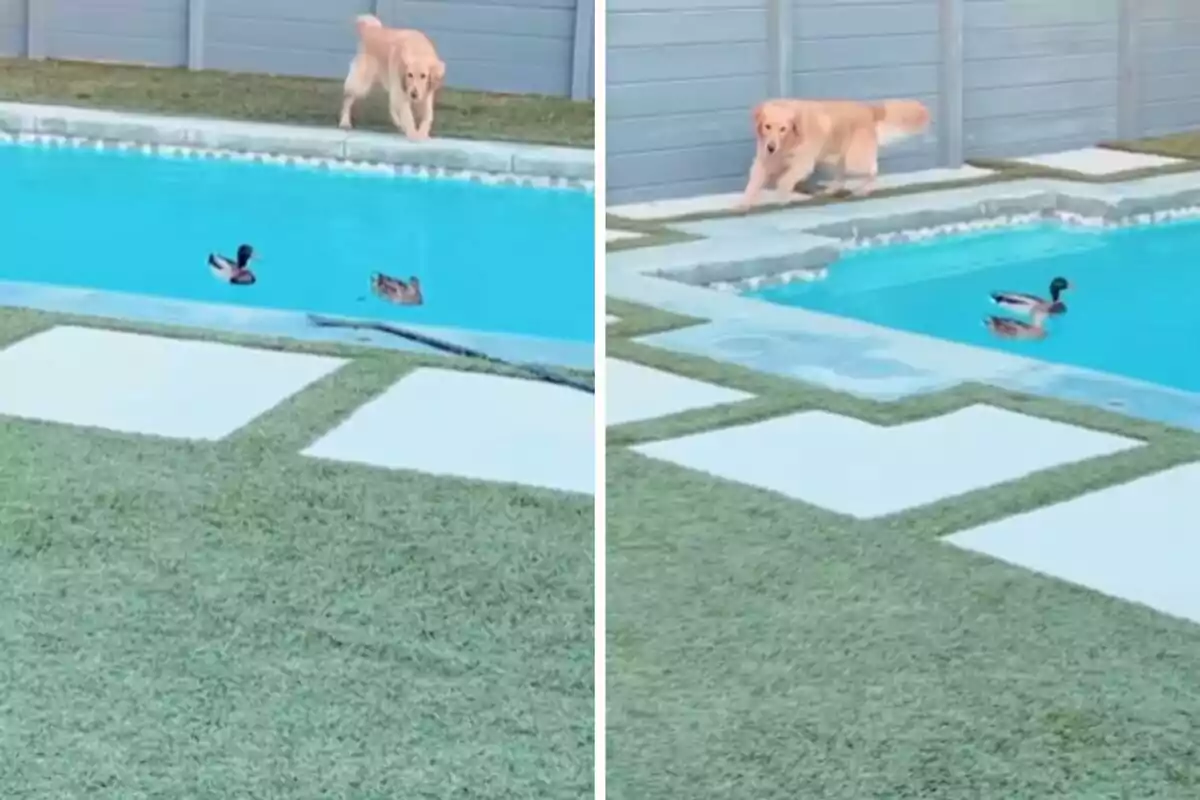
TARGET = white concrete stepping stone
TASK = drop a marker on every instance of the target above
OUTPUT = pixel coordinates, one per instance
(637, 392)
(609, 319)
(1098, 160)
(896, 180)
(135, 383)
(472, 425)
(1139, 541)
(701, 204)
(616, 236)
(866, 471)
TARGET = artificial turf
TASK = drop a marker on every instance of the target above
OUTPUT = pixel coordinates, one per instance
(292, 100)
(764, 648)
(235, 620)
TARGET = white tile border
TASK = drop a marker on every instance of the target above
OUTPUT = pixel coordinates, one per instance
(561, 165)
(53, 141)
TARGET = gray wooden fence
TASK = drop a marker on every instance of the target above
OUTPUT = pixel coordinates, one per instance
(1002, 77)
(539, 46)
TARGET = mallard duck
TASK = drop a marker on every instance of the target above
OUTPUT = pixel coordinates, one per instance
(235, 271)
(1007, 328)
(1027, 303)
(394, 290)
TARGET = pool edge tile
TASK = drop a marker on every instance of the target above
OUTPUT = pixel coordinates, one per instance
(509, 158)
(274, 323)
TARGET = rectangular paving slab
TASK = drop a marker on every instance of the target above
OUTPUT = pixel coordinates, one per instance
(1139, 541)
(473, 425)
(863, 470)
(1098, 160)
(135, 383)
(637, 392)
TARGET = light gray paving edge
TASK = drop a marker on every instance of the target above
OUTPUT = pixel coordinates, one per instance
(733, 247)
(575, 164)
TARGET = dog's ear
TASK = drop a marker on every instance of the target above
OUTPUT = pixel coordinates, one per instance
(760, 113)
(801, 121)
(396, 65)
(437, 75)
(808, 123)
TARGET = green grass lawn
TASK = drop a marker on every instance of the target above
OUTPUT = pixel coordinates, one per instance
(763, 648)
(299, 101)
(233, 620)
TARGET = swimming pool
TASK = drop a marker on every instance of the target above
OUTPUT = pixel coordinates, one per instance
(1132, 311)
(495, 258)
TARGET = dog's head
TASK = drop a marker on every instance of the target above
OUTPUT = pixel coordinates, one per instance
(776, 126)
(422, 77)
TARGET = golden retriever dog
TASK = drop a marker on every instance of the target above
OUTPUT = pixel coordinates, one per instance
(794, 136)
(406, 64)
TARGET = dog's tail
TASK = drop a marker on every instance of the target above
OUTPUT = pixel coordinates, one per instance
(899, 119)
(365, 22)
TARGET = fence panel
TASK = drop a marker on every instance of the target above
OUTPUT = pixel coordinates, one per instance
(1002, 77)
(12, 27)
(281, 37)
(1039, 76)
(519, 46)
(682, 76)
(1168, 83)
(496, 45)
(136, 31)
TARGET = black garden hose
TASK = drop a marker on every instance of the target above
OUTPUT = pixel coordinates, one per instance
(532, 370)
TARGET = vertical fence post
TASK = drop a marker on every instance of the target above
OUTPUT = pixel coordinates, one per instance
(950, 83)
(779, 48)
(196, 11)
(1129, 58)
(35, 29)
(582, 49)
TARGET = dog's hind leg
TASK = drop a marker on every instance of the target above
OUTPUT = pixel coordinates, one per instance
(862, 161)
(837, 182)
(358, 85)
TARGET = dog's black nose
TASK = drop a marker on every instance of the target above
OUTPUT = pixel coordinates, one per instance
(770, 148)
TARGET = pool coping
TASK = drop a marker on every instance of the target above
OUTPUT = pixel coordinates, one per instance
(674, 278)
(518, 163)
(293, 325)
(566, 164)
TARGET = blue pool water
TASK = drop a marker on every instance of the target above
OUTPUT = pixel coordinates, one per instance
(1135, 310)
(500, 259)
